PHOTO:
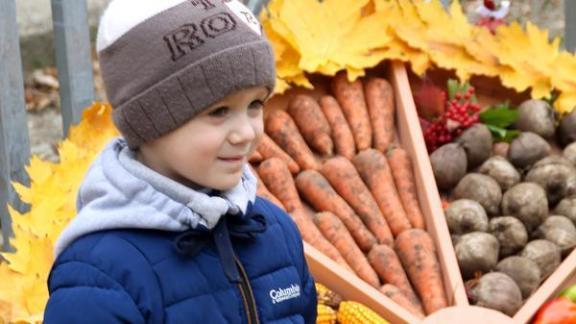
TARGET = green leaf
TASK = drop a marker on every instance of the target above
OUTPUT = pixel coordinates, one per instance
(453, 88)
(500, 116)
(502, 134)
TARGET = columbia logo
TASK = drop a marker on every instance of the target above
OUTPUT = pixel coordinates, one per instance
(280, 295)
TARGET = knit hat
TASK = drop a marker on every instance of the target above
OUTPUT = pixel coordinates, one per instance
(163, 61)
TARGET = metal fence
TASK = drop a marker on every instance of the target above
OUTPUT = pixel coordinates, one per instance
(72, 46)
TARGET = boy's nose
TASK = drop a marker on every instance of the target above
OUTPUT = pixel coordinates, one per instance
(244, 132)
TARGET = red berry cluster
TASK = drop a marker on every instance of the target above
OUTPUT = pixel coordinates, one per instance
(460, 114)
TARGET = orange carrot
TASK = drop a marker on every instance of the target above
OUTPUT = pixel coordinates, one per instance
(263, 192)
(341, 133)
(315, 189)
(337, 234)
(399, 298)
(380, 101)
(386, 263)
(268, 149)
(277, 178)
(281, 128)
(311, 122)
(350, 95)
(374, 170)
(345, 179)
(402, 171)
(256, 157)
(311, 234)
(418, 256)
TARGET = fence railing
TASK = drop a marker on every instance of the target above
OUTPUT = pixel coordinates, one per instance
(72, 47)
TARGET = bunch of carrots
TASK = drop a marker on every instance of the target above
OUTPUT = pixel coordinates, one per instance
(338, 154)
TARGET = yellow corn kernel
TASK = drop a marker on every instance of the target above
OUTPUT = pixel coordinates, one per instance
(327, 296)
(326, 315)
(355, 313)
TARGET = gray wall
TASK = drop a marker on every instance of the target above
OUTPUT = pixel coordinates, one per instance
(35, 16)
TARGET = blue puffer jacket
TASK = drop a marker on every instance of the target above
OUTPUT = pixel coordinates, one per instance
(248, 268)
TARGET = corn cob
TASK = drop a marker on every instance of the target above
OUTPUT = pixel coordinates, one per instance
(327, 297)
(326, 315)
(351, 312)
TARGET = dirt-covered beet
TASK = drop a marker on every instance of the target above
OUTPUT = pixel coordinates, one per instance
(526, 149)
(567, 207)
(476, 252)
(536, 116)
(482, 189)
(465, 216)
(500, 170)
(567, 129)
(510, 232)
(569, 153)
(546, 254)
(559, 230)
(523, 271)
(498, 291)
(526, 201)
(477, 142)
(556, 175)
(500, 149)
(449, 165)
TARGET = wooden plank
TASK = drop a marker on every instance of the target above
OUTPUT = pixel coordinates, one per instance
(14, 142)
(570, 25)
(73, 58)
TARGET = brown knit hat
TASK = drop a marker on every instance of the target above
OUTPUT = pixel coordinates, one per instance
(163, 67)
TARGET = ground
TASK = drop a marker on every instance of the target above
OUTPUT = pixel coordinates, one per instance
(45, 125)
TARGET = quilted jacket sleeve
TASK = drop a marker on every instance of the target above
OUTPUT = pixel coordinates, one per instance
(80, 293)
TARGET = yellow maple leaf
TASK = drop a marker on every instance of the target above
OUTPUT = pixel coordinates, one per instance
(531, 57)
(52, 196)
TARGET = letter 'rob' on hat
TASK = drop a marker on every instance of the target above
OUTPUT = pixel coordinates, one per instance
(163, 61)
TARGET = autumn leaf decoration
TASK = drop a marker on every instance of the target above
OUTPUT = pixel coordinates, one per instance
(311, 36)
(52, 197)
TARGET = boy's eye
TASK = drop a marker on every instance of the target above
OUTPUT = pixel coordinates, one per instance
(219, 112)
(256, 104)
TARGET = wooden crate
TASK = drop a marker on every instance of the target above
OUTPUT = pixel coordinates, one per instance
(490, 91)
(410, 137)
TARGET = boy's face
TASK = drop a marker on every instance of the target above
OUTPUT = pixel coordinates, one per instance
(211, 149)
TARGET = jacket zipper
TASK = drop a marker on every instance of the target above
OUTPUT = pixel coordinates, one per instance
(247, 295)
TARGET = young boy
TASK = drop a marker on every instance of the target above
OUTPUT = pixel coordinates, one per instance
(169, 229)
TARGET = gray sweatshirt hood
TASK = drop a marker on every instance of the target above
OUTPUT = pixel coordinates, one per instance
(120, 192)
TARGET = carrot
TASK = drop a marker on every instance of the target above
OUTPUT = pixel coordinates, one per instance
(311, 122)
(256, 157)
(263, 192)
(380, 102)
(277, 178)
(386, 263)
(268, 149)
(399, 298)
(418, 255)
(341, 133)
(337, 234)
(281, 128)
(375, 171)
(350, 95)
(402, 171)
(345, 179)
(315, 189)
(311, 234)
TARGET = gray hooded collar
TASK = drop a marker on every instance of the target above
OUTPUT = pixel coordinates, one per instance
(120, 192)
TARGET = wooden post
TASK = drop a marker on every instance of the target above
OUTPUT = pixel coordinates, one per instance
(14, 142)
(255, 5)
(570, 25)
(73, 58)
